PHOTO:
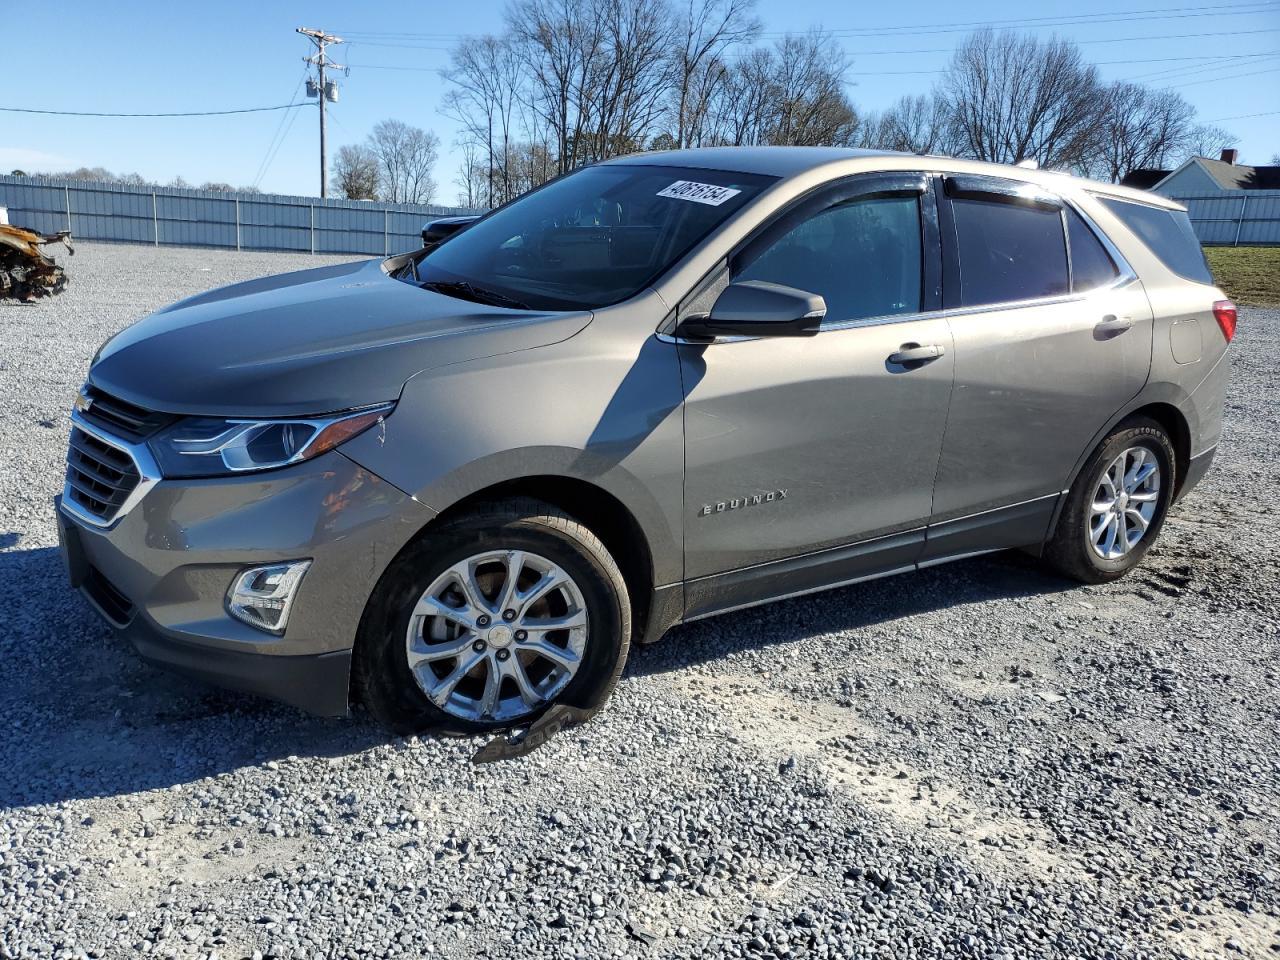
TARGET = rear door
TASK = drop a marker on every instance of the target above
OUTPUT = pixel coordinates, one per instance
(1052, 336)
(810, 460)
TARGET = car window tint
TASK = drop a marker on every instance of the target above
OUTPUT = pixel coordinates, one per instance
(594, 237)
(1009, 252)
(1091, 265)
(863, 256)
(1168, 234)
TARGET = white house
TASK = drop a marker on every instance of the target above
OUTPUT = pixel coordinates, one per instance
(1228, 202)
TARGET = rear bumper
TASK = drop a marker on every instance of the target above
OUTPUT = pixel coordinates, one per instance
(160, 574)
(1196, 469)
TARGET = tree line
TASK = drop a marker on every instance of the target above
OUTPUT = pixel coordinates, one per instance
(569, 82)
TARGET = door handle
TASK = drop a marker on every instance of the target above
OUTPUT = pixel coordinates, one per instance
(910, 353)
(1112, 326)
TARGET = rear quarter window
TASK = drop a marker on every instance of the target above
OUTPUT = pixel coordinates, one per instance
(1167, 234)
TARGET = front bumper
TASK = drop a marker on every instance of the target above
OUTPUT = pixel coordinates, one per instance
(159, 574)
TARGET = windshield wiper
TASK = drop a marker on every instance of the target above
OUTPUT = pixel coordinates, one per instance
(467, 291)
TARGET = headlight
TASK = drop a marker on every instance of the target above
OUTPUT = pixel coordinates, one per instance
(209, 447)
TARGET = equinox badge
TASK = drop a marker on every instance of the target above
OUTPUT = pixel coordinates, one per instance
(735, 503)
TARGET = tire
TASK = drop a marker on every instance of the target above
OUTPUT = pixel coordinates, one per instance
(1071, 550)
(548, 543)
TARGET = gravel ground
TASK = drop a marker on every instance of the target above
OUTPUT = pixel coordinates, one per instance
(974, 761)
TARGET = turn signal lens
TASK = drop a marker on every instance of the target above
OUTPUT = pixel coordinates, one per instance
(1224, 311)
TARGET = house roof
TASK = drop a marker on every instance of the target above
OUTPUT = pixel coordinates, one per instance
(1235, 176)
(1143, 178)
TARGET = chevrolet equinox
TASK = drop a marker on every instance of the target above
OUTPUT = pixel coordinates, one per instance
(459, 483)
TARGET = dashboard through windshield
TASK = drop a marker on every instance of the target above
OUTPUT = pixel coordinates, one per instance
(597, 236)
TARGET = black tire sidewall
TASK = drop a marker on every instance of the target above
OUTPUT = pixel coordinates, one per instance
(388, 685)
(1071, 542)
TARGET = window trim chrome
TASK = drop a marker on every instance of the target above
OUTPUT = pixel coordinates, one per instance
(148, 473)
(1125, 276)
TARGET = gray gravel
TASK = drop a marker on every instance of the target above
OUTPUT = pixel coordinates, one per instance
(974, 761)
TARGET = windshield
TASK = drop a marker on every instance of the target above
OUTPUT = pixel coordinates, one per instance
(587, 240)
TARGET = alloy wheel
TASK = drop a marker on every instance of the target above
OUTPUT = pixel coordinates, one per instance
(497, 635)
(1124, 504)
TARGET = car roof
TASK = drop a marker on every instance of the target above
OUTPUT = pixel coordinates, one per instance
(787, 162)
(770, 161)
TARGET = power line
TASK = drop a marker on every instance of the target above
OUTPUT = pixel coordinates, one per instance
(1083, 19)
(1176, 73)
(189, 113)
(1217, 61)
(1244, 116)
(862, 32)
(1236, 76)
(275, 151)
(271, 144)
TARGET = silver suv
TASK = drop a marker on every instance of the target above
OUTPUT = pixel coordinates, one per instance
(457, 484)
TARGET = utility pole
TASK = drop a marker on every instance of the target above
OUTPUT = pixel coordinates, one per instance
(324, 90)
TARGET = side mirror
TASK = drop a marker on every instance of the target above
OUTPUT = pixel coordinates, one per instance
(758, 308)
(438, 231)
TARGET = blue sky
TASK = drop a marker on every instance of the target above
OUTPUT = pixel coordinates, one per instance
(151, 57)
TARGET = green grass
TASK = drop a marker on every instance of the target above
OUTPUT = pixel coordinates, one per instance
(1250, 275)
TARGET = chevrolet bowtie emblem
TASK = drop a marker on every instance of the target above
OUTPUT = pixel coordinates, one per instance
(83, 402)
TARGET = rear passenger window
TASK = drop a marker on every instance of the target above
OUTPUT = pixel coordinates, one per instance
(1167, 233)
(1009, 251)
(863, 256)
(1091, 265)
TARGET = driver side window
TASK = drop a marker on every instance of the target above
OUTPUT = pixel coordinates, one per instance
(863, 256)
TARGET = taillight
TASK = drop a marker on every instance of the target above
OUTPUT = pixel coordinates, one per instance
(1224, 311)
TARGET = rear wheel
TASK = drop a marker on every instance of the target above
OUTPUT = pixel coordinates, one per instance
(491, 618)
(1117, 506)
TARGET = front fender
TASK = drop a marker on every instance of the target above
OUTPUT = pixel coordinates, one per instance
(603, 408)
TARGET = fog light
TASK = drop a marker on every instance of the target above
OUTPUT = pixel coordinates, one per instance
(262, 596)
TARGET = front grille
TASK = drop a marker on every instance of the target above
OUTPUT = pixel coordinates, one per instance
(122, 418)
(100, 477)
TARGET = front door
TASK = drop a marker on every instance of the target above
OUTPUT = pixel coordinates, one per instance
(1052, 337)
(810, 461)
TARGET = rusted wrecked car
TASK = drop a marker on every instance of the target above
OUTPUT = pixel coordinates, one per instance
(26, 273)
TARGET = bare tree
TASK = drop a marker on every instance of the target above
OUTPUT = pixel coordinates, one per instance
(1012, 97)
(355, 173)
(1139, 128)
(790, 94)
(811, 106)
(486, 100)
(707, 32)
(406, 156)
(559, 43)
(633, 75)
(919, 124)
(1207, 141)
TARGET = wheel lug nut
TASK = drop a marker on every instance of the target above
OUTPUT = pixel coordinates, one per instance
(503, 654)
(508, 615)
(482, 620)
(479, 646)
(522, 636)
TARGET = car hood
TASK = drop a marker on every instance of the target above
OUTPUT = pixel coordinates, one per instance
(308, 342)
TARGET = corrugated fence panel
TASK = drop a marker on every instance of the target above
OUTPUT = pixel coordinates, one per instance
(1243, 217)
(250, 221)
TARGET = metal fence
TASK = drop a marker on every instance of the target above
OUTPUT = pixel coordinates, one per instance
(1245, 217)
(238, 221)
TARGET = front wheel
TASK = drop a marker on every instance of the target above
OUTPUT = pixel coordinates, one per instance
(1117, 506)
(485, 622)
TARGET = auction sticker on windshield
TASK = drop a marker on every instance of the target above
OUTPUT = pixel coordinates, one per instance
(707, 193)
